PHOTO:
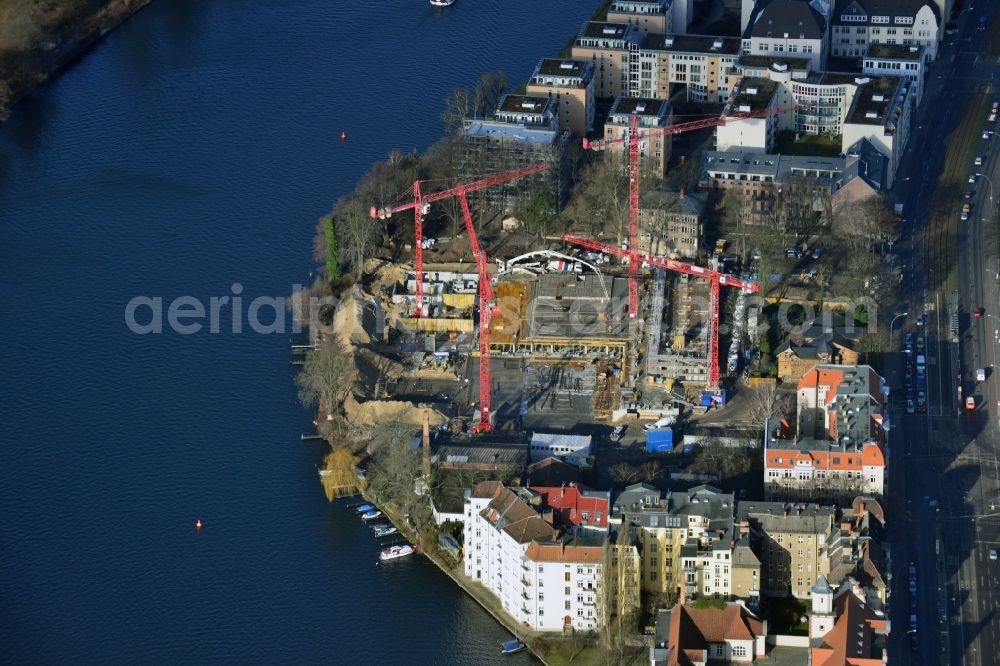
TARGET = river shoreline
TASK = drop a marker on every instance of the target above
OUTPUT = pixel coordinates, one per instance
(25, 71)
(480, 597)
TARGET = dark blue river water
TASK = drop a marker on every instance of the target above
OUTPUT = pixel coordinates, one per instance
(193, 149)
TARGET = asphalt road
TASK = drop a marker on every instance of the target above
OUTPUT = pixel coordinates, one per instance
(944, 481)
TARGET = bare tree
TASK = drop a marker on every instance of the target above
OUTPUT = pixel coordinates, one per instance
(395, 465)
(458, 108)
(481, 102)
(326, 378)
(600, 200)
(768, 402)
(624, 473)
(489, 89)
(357, 233)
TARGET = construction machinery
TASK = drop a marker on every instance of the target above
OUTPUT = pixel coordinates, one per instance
(487, 308)
(420, 205)
(632, 138)
(717, 279)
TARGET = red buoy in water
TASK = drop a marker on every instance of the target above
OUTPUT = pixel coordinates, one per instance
(343, 136)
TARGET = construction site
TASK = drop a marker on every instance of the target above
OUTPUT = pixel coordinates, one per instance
(578, 336)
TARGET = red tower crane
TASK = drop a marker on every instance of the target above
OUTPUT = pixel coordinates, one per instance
(487, 308)
(717, 279)
(633, 175)
(421, 202)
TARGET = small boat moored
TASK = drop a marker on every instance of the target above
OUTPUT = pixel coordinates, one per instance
(371, 515)
(364, 508)
(385, 530)
(396, 552)
(512, 647)
(442, 3)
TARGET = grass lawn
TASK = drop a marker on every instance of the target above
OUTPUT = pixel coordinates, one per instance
(564, 654)
(819, 145)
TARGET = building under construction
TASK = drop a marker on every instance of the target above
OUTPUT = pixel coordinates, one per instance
(523, 131)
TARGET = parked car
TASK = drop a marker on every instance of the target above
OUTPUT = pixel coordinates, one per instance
(979, 160)
(966, 207)
(972, 177)
(963, 216)
(986, 134)
(978, 313)
(970, 403)
(817, 252)
(910, 407)
(993, 554)
(921, 320)
(980, 374)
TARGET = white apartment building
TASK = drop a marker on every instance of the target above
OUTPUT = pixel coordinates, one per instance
(542, 583)
(706, 562)
(499, 527)
(561, 586)
(898, 60)
(792, 28)
(881, 114)
(857, 24)
(754, 96)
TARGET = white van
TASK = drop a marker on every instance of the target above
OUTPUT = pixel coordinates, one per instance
(981, 374)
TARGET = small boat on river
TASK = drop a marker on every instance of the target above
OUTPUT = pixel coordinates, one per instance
(364, 508)
(442, 3)
(385, 530)
(371, 515)
(512, 647)
(396, 552)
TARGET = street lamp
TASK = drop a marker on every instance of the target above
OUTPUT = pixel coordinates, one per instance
(989, 181)
(893, 322)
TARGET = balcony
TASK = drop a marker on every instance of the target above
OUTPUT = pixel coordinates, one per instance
(524, 595)
(525, 582)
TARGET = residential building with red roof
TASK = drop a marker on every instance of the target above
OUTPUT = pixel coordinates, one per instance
(576, 508)
(836, 450)
(543, 579)
(846, 627)
(696, 636)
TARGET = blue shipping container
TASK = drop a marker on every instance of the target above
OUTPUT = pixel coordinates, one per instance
(660, 440)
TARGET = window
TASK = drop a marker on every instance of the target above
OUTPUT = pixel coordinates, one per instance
(566, 576)
(720, 650)
(739, 650)
(566, 591)
(569, 604)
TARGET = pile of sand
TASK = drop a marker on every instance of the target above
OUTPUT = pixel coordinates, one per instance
(372, 412)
